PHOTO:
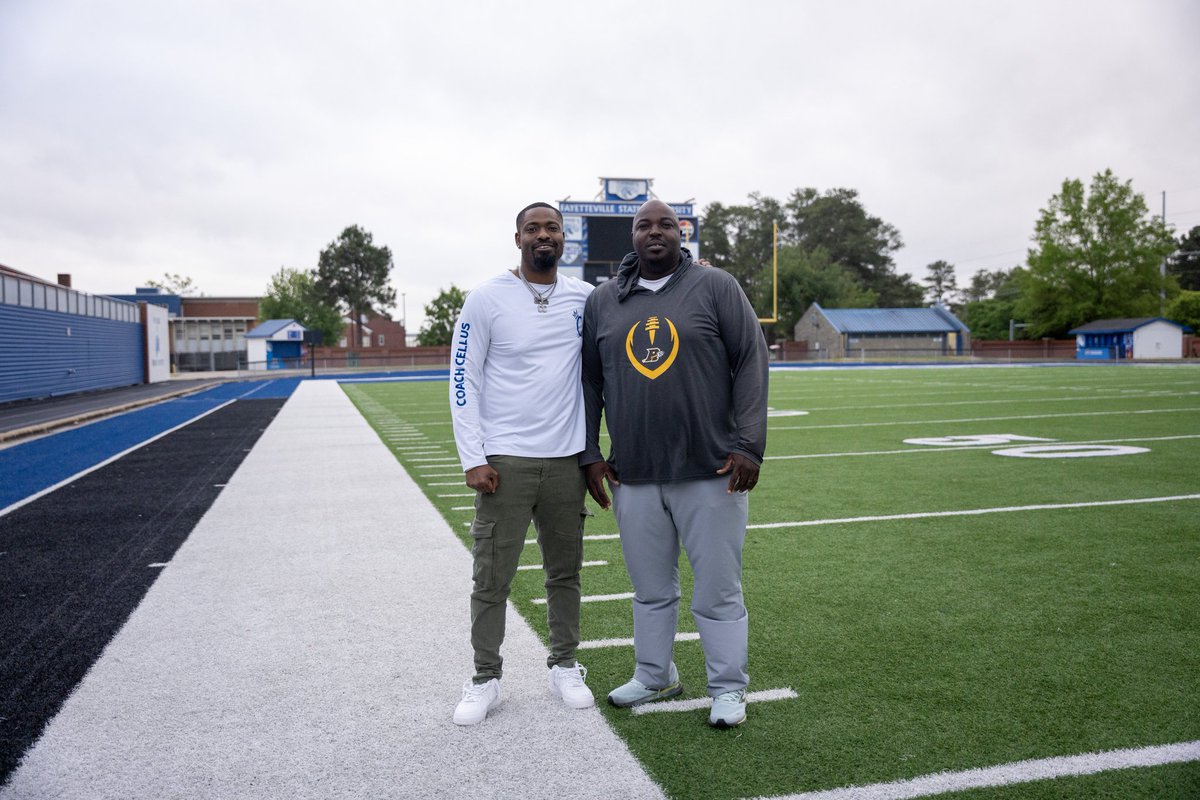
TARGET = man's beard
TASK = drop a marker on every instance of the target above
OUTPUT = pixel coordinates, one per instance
(544, 262)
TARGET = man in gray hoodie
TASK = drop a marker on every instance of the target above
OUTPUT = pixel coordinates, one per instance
(675, 359)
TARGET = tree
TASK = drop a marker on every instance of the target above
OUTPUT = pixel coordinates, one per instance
(991, 303)
(740, 239)
(173, 283)
(353, 273)
(941, 283)
(1185, 309)
(985, 284)
(838, 222)
(1097, 255)
(810, 277)
(293, 294)
(1184, 265)
(440, 316)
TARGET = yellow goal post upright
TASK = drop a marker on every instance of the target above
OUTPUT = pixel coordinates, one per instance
(774, 276)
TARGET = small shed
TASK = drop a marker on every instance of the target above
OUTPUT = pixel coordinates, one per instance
(275, 344)
(1141, 337)
(897, 332)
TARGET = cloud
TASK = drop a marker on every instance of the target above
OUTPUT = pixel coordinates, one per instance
(223, 140)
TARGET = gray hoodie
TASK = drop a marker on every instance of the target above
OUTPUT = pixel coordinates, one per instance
(680, 374)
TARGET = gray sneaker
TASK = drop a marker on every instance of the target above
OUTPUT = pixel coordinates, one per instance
(728, 709)
(635, 692)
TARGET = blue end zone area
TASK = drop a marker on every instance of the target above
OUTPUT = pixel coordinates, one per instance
(35, 466)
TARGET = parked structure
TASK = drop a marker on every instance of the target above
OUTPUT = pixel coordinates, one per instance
(1143, 337)
(275, 344)
(55, 340)
(895, 332)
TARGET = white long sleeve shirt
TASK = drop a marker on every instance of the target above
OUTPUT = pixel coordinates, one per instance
(514, 372)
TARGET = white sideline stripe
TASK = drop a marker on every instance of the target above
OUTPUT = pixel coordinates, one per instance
(463, 508)
(980, 419)
(442, 483)
(593, 538)
(977, 511)
(586, 564)
(468, 494)
(1007, 774)
(949, 449)
(441, 475)
(596, 644)
(668, 706)
(108, 461)
(443, 460)
(590, 598)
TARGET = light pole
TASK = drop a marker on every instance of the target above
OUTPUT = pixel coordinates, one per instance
(403, 315)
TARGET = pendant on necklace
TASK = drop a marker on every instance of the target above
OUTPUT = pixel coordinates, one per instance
(541, 303)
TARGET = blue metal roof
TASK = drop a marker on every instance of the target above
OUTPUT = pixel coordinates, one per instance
(1122, 325)
(893, 320)
(269, 328)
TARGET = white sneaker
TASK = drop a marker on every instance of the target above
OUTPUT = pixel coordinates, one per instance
(567, 682)
(477, 700)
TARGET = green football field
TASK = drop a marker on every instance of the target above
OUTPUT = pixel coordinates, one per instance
(946, 570)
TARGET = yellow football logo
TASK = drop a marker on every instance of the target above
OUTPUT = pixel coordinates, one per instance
(653, 354)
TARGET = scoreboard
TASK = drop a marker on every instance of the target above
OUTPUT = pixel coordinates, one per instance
(598, 234)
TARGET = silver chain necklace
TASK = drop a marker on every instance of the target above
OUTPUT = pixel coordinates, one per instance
(540, 299)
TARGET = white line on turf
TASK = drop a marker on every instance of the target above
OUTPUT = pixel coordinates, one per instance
(1008, 774)
(467, 494)
(596, 644)
(586, 564)
(592, 538)
(669, 706)
(980, 419)
(971, 512)
(992, 446)
(590, 598)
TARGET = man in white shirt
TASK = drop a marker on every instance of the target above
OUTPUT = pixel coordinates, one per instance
(516, 402)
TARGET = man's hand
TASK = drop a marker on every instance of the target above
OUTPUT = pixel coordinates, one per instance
(483, 478)
(743, 473)
(595, 474)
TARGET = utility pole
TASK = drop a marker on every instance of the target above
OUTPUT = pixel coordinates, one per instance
(1162, 267)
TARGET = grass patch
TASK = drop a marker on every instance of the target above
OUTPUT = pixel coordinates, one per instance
(922, 645)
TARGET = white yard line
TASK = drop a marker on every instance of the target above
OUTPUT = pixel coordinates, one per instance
(668, 706)
(1040, 769)
(586, 564)
(1193, 409)
(971, 512)
(596, 644)
(592, 538)
(590, 598)
(993, 446)
(1122, 395)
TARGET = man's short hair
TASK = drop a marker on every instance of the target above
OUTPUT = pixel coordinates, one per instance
(521, 216)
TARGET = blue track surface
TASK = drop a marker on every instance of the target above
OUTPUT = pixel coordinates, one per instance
(29, 468)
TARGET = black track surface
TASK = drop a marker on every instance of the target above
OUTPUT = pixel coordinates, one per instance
(75, 563)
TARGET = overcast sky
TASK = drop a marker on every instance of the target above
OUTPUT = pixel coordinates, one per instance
(223, 140)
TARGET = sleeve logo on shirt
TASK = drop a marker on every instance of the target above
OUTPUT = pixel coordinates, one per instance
(651, 350)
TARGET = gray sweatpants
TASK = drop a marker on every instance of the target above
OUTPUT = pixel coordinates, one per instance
(655, 518)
